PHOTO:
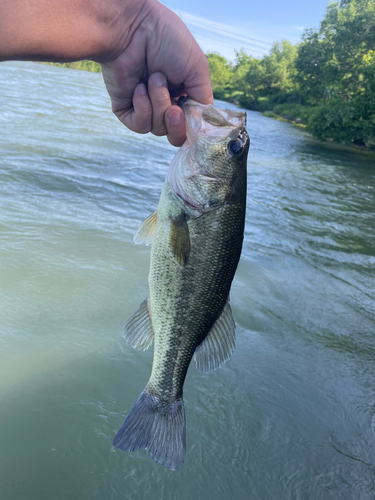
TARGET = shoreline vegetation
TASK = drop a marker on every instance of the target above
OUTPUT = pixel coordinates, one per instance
(83, 65)
(325, 83)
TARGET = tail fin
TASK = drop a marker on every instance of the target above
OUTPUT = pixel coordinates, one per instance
(157, 428)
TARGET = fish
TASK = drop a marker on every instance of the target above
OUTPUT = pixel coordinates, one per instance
(196, 237)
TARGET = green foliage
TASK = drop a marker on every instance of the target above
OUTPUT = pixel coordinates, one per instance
(273, 74)
(289, 99)
(368, 69)
(271, 114)
(247, 79)
(221, 74)
(330, 59)
(279, 68)
(83, 65)
(336, 72)
(345, 122)
(327, 80)
(294, 111)
(311, 66)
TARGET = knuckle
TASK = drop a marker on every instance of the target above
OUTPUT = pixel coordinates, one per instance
(160, 97)
(142, 127)
(158, 131)
(142, 120)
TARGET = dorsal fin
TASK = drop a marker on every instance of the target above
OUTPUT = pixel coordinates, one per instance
(217, 348)
(146, 230)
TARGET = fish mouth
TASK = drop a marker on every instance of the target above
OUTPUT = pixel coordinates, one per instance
(214, 123)
(215, 116)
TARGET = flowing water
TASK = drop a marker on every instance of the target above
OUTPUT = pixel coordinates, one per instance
(291, 416)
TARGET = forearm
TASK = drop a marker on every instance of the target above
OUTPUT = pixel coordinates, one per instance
(148, 56)
(66, 30)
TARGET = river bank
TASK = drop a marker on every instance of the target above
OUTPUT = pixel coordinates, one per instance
(83, 65)
(326, 80)
(300, 115)
(292, 115)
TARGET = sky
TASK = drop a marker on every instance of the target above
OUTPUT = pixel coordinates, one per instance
(225, 26)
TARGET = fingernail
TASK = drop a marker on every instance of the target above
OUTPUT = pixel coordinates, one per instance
(142, 89)
(175, 117)
(158, 80)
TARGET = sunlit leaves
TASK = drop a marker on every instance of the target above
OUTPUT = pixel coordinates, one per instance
(332, 71)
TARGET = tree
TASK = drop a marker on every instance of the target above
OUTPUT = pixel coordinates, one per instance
(279, 68)
(336, 72)
(221, 74)
(330, 58)
(248, 79)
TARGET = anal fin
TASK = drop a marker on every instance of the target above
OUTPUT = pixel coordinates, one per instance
(138, 331)
(217, 348)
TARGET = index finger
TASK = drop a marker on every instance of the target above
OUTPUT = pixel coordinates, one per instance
(198, 84)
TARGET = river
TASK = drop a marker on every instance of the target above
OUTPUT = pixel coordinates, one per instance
(291, 416)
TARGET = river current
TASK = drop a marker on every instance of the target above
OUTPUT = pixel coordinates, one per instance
(290, 416)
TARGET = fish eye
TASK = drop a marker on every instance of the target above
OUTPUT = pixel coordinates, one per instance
(235, 146)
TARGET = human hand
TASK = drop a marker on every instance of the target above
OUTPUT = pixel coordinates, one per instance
(145, 77)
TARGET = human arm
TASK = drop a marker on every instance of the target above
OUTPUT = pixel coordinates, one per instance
(134, 41)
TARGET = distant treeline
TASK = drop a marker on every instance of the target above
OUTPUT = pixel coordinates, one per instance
(84, 65)
(327, 81)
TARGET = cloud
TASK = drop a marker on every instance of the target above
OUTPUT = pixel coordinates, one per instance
(233, 32)
(224, 38)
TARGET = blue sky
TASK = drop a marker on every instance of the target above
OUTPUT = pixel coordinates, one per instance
(225, 26)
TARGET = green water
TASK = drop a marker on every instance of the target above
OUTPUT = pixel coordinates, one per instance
(291, 416)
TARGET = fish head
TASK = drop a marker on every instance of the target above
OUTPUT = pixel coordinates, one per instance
(211, 164)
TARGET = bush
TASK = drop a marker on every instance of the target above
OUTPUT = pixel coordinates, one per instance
(220, 93)
(344, 122)
(264, 104)
(294, 111)
(248, 102)
(288, 98)
(270, 114)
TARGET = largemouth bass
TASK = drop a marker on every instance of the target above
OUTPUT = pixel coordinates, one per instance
(196, 235)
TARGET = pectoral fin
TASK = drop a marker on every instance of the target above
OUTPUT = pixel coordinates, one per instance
(179, 238)
(217, 348)
(145, 233)
(138, 330)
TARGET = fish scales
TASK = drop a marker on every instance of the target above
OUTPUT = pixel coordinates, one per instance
(186, 302)
(196, 234)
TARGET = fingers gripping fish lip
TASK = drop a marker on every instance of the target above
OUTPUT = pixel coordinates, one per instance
(214, 123)
(235, 118)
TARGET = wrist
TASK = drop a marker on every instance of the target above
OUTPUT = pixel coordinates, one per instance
(118, 26)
